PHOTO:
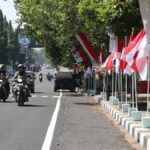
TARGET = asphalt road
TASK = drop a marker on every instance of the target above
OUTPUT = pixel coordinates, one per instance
(61, 122)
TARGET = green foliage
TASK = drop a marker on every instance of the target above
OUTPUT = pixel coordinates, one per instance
(8, 41)
(54, 23)
(119, 16)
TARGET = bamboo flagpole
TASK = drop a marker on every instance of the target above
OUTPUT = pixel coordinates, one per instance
(135, 89)
(121, 85)
(132, 90)
(148, 85)
(116, 85)
(126, 88)
(112, 81)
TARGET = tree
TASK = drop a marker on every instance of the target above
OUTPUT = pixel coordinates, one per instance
(55, 23)
(3, 40)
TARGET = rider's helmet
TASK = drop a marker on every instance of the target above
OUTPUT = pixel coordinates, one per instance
(2, 66)
(21, 67)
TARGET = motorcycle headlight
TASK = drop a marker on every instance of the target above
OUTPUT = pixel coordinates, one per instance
(26, 86)
(20, 80)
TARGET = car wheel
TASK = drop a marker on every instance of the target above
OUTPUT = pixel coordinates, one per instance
(55, 90)
(32, 91)
(72, 90)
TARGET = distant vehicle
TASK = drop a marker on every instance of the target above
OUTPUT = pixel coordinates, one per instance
(11, 72)
(49, 77)
(64, 81)
(30, 80)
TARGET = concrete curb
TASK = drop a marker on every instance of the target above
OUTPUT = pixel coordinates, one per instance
(134, 128)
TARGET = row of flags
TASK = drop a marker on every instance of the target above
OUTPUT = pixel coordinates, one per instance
(128, 57)
(134, 57)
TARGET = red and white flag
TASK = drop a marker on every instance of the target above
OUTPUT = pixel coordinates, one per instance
(123, 62)
(87, 46)
(140, 63)
(133, 47)
(117, 64)
(109, 62)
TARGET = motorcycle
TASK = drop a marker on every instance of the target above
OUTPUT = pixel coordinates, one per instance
(30, 83)
(49, 77)
(40, 78)
(20, 92)
(4, 94)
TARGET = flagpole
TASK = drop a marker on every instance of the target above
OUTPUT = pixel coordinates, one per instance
(148, 84)
(132, 90)
(118, 84)
(113, 80)
(126, 88)
(135, 89)
(121, 85)
(118, 74)
(115, 85)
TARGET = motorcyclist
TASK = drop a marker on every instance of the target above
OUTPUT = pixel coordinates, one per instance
(4, 77)
(21, 73)
(40, 76)
(49, 76)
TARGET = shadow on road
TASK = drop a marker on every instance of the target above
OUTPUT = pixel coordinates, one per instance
(86, 103)
(31, 105)
(73, 94)
(7, 102)
(38, 93)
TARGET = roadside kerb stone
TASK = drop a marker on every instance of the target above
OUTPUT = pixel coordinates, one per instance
(142, 140)
(134, 128)
(124, 121)
(148, 142)
(137, 132)
(121, 118)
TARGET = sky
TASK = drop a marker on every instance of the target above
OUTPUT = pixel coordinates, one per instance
(8, 9)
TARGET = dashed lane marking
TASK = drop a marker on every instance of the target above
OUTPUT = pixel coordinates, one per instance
(44, 96)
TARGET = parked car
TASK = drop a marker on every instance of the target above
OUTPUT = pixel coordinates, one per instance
(64, 81)
(30, 80)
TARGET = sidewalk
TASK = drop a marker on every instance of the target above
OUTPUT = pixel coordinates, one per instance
(134, 128)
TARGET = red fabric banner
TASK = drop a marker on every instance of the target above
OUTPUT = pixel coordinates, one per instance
(87, 46)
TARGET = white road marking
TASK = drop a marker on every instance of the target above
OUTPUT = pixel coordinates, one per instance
(44, 96)
(49, 135)
(34, 95)
(56, 96)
